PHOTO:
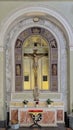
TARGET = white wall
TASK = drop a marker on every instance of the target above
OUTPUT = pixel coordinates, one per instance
(65, 8)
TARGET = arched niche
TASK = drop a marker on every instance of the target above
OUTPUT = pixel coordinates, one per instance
(36, 43)
(40, 16)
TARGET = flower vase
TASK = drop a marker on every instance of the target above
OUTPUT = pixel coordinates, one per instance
(37, 105)
(49, 105)
(25, 105)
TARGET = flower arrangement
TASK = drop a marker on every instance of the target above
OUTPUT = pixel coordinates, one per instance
(25, 102)
(49, 101)
(37, 102)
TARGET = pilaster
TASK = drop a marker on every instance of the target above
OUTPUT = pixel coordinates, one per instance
(2, 88)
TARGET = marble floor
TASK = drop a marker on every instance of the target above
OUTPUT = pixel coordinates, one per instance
(59, 127)
(44, 128)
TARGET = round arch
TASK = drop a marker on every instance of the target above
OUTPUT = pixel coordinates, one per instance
(23, 18)
(25, 12)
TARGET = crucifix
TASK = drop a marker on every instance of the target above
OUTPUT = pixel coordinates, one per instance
(35, 57)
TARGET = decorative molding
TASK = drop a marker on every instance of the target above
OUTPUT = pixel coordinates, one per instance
(43, 96)
(61, 45)
(54, 96)
(58, 34)
(28, 10)
(21, 96)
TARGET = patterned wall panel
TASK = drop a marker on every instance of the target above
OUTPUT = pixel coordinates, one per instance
(25, 118)
(60, 115)
(14, 116)
(48, 117)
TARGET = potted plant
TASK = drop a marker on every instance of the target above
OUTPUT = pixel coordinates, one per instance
(49, 102)
(25, 103)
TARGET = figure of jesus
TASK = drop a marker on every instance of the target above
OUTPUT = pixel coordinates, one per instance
(35, 56)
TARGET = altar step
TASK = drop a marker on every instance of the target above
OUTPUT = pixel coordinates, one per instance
(43, 128)
(50, 128)
(59, 127)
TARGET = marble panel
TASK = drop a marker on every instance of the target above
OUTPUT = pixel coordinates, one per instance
(14, 116)
(60, 115)
(22, 117)
(25, 118)
(48, 117)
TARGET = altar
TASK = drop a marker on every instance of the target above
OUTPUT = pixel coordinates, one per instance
(50, 115)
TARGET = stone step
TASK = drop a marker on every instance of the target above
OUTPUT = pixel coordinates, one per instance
(2, 128)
